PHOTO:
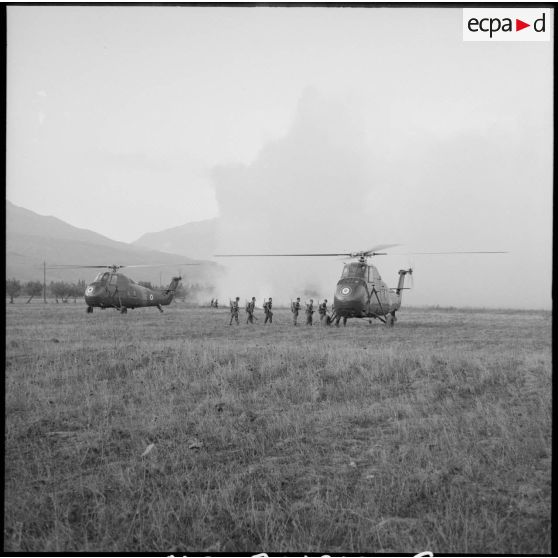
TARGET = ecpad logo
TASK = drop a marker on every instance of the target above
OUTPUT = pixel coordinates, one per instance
(506, 24)
(494, 24)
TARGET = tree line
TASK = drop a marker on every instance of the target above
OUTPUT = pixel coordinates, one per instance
(61, 290)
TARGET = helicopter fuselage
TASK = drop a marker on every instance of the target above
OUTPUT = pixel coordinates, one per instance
(361, 293)
(115, 290)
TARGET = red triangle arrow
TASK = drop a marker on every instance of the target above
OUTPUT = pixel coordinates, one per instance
(519, 25)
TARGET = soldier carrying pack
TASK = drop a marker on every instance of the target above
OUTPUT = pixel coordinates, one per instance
(309, 312)
(234, 311)
(267, 310)
(250, 306)
(295, 307)
(322, 310)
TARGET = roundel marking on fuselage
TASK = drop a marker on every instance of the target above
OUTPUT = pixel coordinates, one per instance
(345, 290)
(89, 290)
(150, 297)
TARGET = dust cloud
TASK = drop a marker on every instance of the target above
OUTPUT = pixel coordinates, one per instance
(347, 176)
(303, 194)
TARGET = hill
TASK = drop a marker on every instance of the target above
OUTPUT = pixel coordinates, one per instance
(194, 240)
(32, 239)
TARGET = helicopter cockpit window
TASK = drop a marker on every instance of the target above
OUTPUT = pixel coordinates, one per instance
(102, 277)
(357, 270)
(373, 275)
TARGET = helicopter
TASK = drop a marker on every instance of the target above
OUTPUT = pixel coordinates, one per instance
(360, 291)
(111, 289)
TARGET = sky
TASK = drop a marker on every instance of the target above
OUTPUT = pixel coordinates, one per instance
(303, 129)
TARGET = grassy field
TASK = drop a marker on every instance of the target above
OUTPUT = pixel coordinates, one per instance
(177, 433)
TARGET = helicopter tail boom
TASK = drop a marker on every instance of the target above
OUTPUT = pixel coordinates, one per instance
(402, 273)
(173, 285)
(168, 293)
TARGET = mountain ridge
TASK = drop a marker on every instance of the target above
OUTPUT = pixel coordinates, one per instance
(19, 220)
(33, 239)
(200, 238)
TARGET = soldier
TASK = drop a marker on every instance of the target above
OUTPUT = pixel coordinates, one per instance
(211, 303)
(309, 312)
(322, 309)
(234, 311)
(295, 307)
(216, 304)
(267, 309)
(250, 310)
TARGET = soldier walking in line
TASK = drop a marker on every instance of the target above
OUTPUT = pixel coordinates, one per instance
(250, 306)
(268, 313)
(309, 312)
(322, 309)
(295, 308)
(234, 311)
(216, 303)
(211, 303)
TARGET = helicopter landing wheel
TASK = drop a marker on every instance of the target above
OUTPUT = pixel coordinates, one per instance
(124, 310)
(390, 320)
(344, 321)
(89, 310)
(337, 320)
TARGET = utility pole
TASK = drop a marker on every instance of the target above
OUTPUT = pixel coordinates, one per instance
(44, 281)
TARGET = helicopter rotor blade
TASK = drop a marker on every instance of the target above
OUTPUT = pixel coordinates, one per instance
(81, 266)
(369, 252)
(115, 267)
(159, 265)
(374, 249)
(275, 255)
(454, 252)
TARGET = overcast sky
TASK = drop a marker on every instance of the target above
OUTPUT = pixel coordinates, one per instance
(329, 129)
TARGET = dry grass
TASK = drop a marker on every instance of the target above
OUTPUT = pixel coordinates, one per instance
(434, 435)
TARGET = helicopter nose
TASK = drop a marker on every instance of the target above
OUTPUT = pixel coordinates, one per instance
(350, 298)
(93, 294)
